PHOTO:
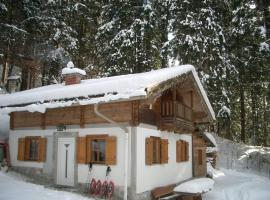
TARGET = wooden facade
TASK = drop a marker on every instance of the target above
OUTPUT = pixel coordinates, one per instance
(76, 115)
(199, 156)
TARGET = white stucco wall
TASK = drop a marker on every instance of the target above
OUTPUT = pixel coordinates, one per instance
(98, 171)
(144, 177)
(156, 175)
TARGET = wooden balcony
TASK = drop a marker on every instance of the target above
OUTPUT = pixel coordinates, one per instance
(176, 116)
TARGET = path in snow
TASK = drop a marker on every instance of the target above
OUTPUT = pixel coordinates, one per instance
(12, 187)
(232, 185)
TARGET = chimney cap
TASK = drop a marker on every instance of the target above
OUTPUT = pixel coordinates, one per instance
(70, 69)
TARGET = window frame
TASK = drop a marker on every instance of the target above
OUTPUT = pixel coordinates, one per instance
(28, 140)
(89, 152)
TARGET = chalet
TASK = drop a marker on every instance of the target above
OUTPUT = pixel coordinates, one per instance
(142, 125)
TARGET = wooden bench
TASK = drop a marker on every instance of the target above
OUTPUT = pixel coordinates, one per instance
(167, 193)
(159, 192)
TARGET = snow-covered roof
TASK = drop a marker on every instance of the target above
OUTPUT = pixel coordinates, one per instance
(14, 77)
(91, 91)
(211, 138)
(195, 186)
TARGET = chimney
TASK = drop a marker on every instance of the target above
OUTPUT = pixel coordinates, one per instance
(71, 74)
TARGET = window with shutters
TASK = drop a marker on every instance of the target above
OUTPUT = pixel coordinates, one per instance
(156, 150)
(182, 151)
(99, 149)
(32, 149)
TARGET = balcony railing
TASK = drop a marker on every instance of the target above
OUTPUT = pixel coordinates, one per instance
(172, 109)
(176, 116)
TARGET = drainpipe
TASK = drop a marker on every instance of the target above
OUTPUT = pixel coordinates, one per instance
(126, 131)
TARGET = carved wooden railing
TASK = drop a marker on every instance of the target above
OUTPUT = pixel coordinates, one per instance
(176, 113)
(176, 109)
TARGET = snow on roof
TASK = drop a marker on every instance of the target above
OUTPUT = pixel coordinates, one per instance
(13, 77)
(195, 186)
(91, 91)
(211, 138)
(70, 69)
(211, 149)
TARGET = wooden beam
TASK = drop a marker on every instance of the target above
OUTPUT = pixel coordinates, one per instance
(11, 121)
(82, 118)
(199, 115)
(43, 121)
(135, 113)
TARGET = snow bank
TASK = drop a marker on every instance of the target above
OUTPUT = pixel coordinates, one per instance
(243, 157)
(233, 185)
(135, 86)
(14, 188)
(200, 185)
(213, 172)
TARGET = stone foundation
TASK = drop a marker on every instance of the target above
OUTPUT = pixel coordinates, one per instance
(35, 174)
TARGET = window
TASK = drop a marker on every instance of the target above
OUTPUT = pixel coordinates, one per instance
(99, 149)
(182, 151)
(32, 149)
(156, 151)
(200, 156)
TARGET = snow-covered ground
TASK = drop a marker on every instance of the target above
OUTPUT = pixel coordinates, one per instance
(233, 185)
(14, 187)
(243, 157)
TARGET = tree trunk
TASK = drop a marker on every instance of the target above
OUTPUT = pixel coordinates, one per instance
(242, 114)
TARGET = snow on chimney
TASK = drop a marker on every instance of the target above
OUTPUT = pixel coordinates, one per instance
(71, 74)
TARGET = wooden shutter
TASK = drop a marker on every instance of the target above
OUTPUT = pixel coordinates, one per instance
(42, 147)
(183, 150)
(111, 150)
(21, 148)
(186, 151)
(148, 151)
(27, 142)
(178, 151)
(81, 150)
(164, 151)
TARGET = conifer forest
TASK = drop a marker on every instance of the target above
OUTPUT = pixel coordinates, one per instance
(228, 41)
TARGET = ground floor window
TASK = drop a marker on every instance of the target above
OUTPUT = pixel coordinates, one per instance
(156, 150)
(99, 149)
(32, 148)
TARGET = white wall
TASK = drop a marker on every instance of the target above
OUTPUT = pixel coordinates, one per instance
(4, 125)
(156, 175)
(98, 171)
